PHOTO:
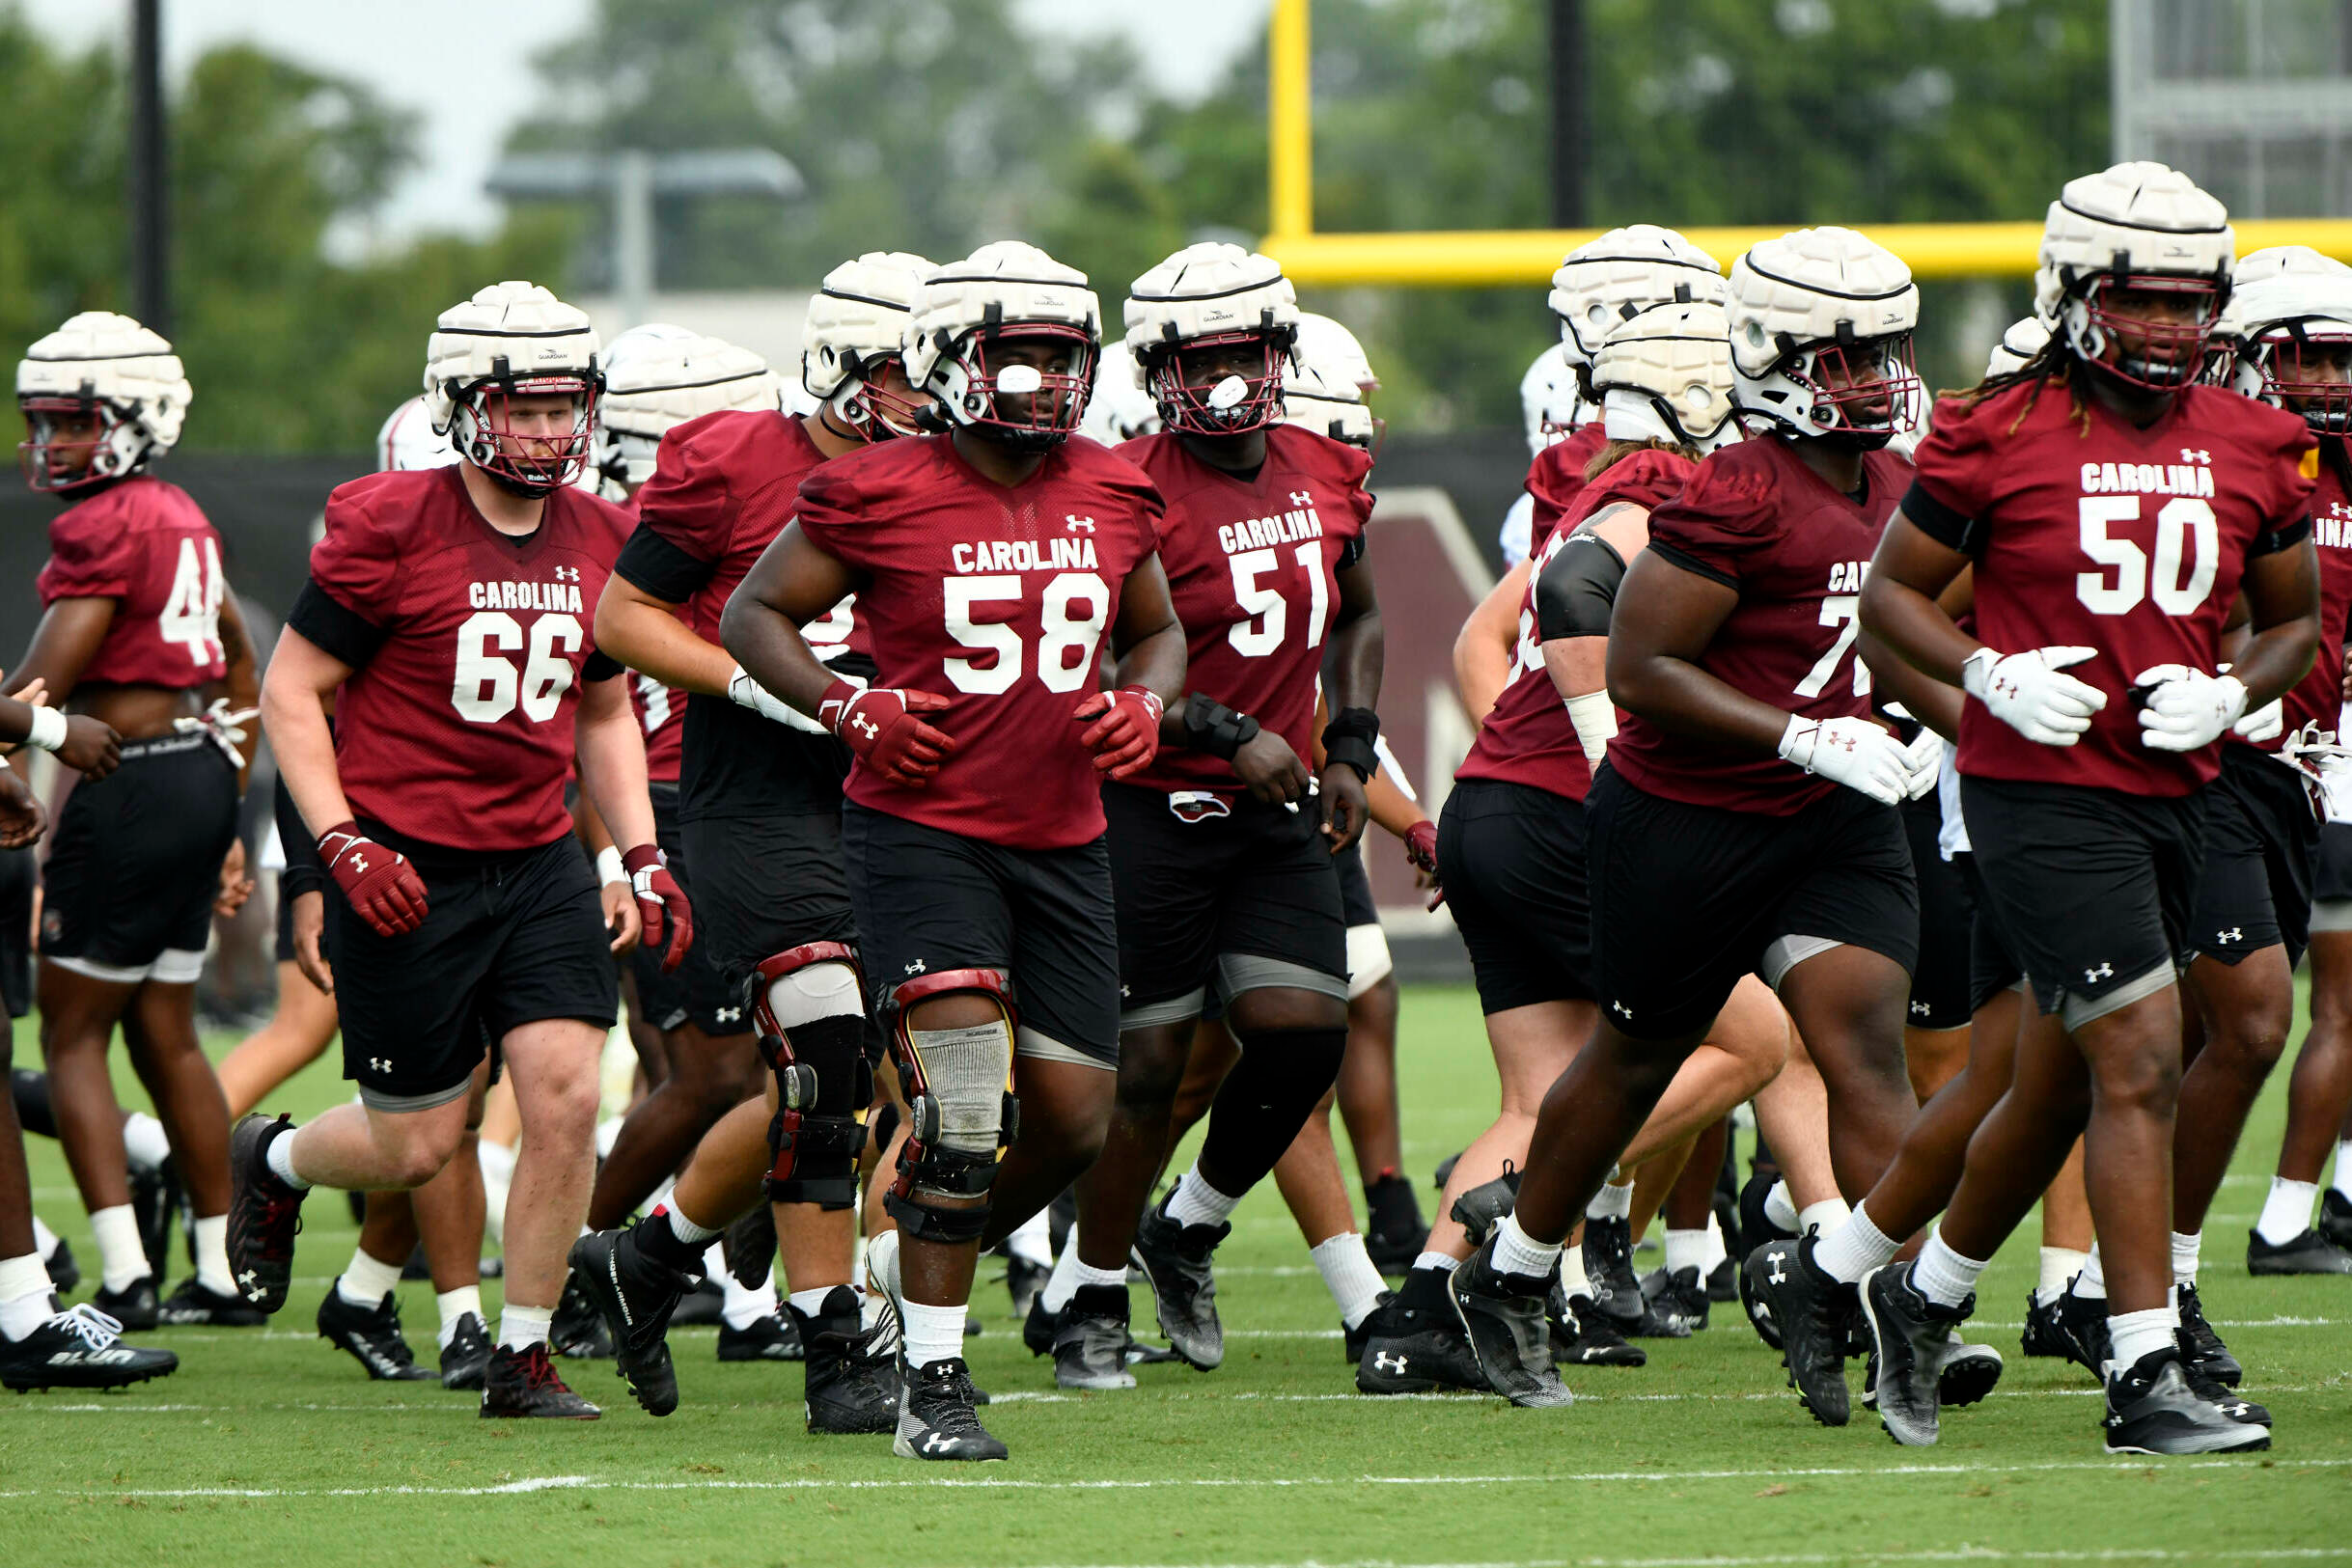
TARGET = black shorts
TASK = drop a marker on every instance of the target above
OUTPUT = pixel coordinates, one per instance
(1198, 897)
(135, 863)
(2090, 888)
(1686, 900)
(2262, 854)
(927, 900)
(1356, 906)
(1940, 996)
(507, 939)
(19, 875)
(1514, 859)
(764, 884)
(1992, 968)
(698, 992)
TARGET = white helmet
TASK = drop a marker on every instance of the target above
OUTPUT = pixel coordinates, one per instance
(1005, 289)
(513, 340)
(1314, 401)
(2143, 227)
(108, 364)
(1121, 409)
(1333, 349)
(1665, 374)
(1549, 402)
(1822, 322)
(1212, 295)
(2294, 346)
(2026, 338)
(2269, 264)
(1603, 281)
(856, 328)
(658, 375)
(408, 441)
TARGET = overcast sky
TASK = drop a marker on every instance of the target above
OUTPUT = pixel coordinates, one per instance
(464, 62)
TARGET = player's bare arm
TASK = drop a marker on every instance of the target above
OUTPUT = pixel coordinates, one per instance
(1900, 606)
(792, 582)
(1357, 651)
(643, 632)
(302, 679)
(1666, 619)
(2282, 591)
(1482, 649)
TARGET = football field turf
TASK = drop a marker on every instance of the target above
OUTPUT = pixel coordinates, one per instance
(268, 1447)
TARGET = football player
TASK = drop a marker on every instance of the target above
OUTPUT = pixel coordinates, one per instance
(2114, 512)
(447, 617)
(139, 630)
(1553, 409)
(992, 562)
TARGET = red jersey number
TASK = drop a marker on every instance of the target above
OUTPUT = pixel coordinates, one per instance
(488, 686)
(2182, 524)
(1269, 612)
(1072, 611)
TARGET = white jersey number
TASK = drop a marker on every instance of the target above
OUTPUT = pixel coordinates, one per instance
(1072, 611)
(1837, 609)
(1268, 610)
(191, 615)
(488, 686)
(654, 697)
(2185, 527)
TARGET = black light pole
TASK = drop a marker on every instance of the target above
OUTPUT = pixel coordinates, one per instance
(1568, 141)
(150, 204)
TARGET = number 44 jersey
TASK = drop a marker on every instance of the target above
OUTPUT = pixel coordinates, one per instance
(146, 545)
(468, 646)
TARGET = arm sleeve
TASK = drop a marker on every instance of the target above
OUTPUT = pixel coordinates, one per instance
(1577, 588)
(655, 562)
(599, 665)
(333, 628)
(304, 871)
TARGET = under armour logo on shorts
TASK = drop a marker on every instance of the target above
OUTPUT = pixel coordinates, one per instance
(1620, 1009)
(2092, 977)
(729, 1015)
(915, 968)
(2236, 933)
(380, 1064)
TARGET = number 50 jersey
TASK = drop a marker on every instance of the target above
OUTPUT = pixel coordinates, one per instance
(468, 647)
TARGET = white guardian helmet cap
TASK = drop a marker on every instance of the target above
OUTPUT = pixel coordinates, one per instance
(109, 365)
(2146, 228)
(856, 330)
(1006, 291)
(1821, 323)
(514, 339)
(658, 376)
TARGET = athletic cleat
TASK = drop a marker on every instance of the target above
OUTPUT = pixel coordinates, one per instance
(156, 1201)
(701, 1308)
(882, 1289)
(1090, 1339)
(2336, 1218)
(2151, 1410)
(371, 1335)
(1407, 1350)
(2045, 1333)
(1582, 1334)
(1482, 1208)
(81, 1348)
(2201, 1350)
(577, 1330)
(2245, 1412)
(1723, 1280)
(1024, 1281)
(2309, 1253)
(1037, 1327)
(1502, 1317)
(1677, 1299)
(635, 1296)
(1811, 1312)
(938, 1415)
(265, 1214)
(852, 1381)
(1969, 1373)
(467, 1359)
(751, 1246)
(771, 1337)
(2082, 1323)
(1353, 1340)
(1756, 1229)
(1609, 1266)
(193, 1306)
(135, 1308)
(64, 1272)
(1911, 1336)
(1174, 1260)
(1394, 1232)
(524, 1384)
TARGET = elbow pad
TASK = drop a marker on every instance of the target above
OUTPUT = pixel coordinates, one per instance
(1577, 588)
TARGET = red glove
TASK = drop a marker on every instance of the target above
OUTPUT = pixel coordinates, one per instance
(661, 906)
(382, 887)
(1421, 848)
(879, 724)
(1126, 734)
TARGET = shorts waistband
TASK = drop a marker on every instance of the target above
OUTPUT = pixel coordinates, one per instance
(448, 859)
(162, 746)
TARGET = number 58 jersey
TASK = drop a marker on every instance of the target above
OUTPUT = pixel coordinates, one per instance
(468, 647)
(2090, 532)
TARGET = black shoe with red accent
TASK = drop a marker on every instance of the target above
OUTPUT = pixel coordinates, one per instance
(265, 1213)
(524, 1384)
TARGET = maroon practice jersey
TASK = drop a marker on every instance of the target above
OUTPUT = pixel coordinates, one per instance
(661, 710)
(144, 545)
(999, 599)
(1529, 738)
(1249, 563)
(1759, 521)
(1557, 477)
(2318, 697)
(2090, 532)
(457, 729)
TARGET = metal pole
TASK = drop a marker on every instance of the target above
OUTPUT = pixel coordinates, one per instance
(1290, 120)
(1568, 113)
(633, 233)
(150, 237)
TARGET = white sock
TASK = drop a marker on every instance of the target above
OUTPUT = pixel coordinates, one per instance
(282, 1161)
(1780, 1207)
(1349, 1276)
(2184, 1257)
(1436, 1260)
(1516, 1252)
(1943, 1275)
(366, 1283)
(212, 1256)
(1573, 1281)
(685, 1230)
(2344, 1168)
(1083, 1275)
(1063, 1282)
(1614, 1201)
(520, 1328)
(1852, 1249)
(2091, 1284)
(746, 1304)
(144, 1141)
(1823, 1217)
(2286, 1213)
(497, 1162)
(2059, 1265)
(2131, 1335)
(24, 1295)
(1032, 1240)
(454, 1304)
(934, 1333)
(1195, 1203)
(122, 1259)
(1686, 1250)
(44, 1240)
(1716, 1251)
(810, 1302)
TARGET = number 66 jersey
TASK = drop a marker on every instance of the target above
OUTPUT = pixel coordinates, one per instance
(468, 647)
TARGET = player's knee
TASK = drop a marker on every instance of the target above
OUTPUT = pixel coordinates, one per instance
(808, 1006)
(1151, 1070)
(954, 1036)
(2145, 1082)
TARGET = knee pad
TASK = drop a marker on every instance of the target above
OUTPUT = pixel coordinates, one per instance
(962, 1112)
(809, 1010)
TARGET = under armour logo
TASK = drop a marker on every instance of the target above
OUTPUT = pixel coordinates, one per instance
(250, 1280)
(1921, 1009)
(729, 1015)
(2092, 977)
(2190, 454)
(1385, 1363)
(1620, 1009)
(1302, 498)
(936, 1443)
(359, 863)
(2236, 933)
(381, 1064)
(864, 727)
(1776, 1257)
(915, 968)
(1077, 525)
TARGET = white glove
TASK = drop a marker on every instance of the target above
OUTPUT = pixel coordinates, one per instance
(1852, 752)
(745, 692)
(1595, 717)
(1924, 756)
(2029, 692)
(2265, 723)
(2188, 708)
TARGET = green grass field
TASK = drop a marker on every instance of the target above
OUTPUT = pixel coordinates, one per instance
(268, 1447)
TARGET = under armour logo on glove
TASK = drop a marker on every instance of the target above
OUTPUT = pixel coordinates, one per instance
(881, 726)
(864, 727)
(383, 888)
(661, 906)
(2092, 977)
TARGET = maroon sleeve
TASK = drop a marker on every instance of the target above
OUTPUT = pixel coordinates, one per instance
(92, 555)
(687, 501)
(1719, 523)
(830, 506)
(1354, 466)
(357, 563)
(1554, 486)
(1953, 471)
(1647, 479)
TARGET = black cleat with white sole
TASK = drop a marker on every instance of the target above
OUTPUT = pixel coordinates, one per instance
(1583, 1335)
(1677, 1298)
(2082, 1325)
(1482, 1208)
(1813, 1313)
(2336, 1218)
(1416, 1349)
(1911, 1336)
(634, 1295)
(1090, 1339)
(2152, 1410)
(523, 1385)
(465, 1360)
(137, 1306)
(1616, 1291)
(265, 1213)
(2044, 1333)
(773, 1337)
(1175, 1262)
(80, 1348)
(850, 1384)
(938, 1415)
(577, 1330)
(1024, 1281)
(1502, 1317)
(371, 1336)
(2201, 1349)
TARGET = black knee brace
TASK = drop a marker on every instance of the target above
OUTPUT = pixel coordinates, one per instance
(823, 1085)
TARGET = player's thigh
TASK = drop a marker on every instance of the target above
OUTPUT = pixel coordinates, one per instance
(1947, 913)
(1279, 929)
(554, 956)
(1850, 884)
(925, 901)
(1533, 1045)
(1515, 879)
(1174, 862)
(135, 863)
(411, 1033)
(1065, 954)
(552, 1063)
(763, 884)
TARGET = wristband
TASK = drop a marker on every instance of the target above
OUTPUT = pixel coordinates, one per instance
(48, 731)
(1350, 740)
(608, 865)
(1211, 727)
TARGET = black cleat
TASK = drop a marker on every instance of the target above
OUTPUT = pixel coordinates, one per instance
(1090, 1339)
(751, 1246)
(634, 1295)
(81, 1348)
(1174, 1260)
(193, 1306)
(1353, 1340)
(1911, 1337)
(64, 1272)
(1811, 1310)
(135, 1308)
(157, 1199)
(524, 1384)
(467, 1359)
(265, 1214)
(1583, 1335)
(2044, 1333)
(1756, 1229)
(2336, 1218)
(851, 1374)
(1723, 1280)
(771, 1337)
(1609, 1268)
(2082, 1325)
(1393, 1231)
(371, 1335)
(577, 1330)
(2220, 1396)
(1024, 1281)
(2309, 1253)
(1037, 1327)
(2151, 1410)
(1969, 1373)
(938, 1415)
(1482, 1208)
(1411, 1351)
(1677, 1299)
(702, 1307)
(1502, 1317)
(2201, 1351)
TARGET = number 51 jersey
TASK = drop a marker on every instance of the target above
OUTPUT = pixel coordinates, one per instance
(468, 647)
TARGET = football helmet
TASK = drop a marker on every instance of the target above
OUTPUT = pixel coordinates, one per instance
(111, 367)
(408, 441)
(1005, 289)
(1328, 383)
(514, 339)
(1665, 374)
(2148, 229)
(2293, 348)
(2266, 265)
(658, 375)
(2026, 338)
(1822, 322)
(1549, 401)
(856, 326)
(1333, 349)
(1604, 281)
(1206, 296)
(1121, 409)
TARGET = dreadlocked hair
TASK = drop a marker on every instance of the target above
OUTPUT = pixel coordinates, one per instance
(2051, 365)
(1617, 451)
